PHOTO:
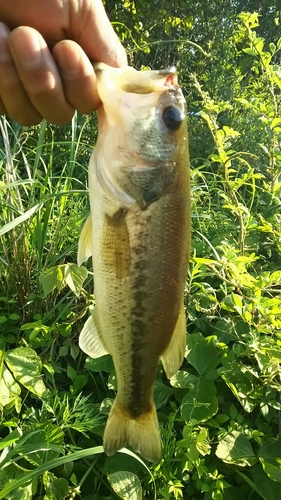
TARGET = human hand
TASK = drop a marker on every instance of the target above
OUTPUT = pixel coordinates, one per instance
(45, 69)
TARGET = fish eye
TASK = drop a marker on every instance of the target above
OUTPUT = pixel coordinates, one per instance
(172, 118)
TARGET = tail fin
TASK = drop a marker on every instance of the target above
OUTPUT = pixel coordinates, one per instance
(141, 433)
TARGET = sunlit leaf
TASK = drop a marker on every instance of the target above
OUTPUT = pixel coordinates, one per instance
(57, 489)
(241, 382)
(235, 448)
(200, 402)
(50, 279)
(126, 484)
(204, 354)
(270, 457)
(9, 389)
(26, 366)
(74, 277)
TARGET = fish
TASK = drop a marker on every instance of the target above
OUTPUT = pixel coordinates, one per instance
(138, 234)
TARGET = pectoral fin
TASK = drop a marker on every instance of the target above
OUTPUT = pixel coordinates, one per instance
(115, 249)
(174, 354)
(146, 184)
(90, 341)
(85, 242)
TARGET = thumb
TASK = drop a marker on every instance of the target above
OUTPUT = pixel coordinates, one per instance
(94, 33)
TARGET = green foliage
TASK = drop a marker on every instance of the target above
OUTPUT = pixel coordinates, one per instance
(220, 414)
(126, 484)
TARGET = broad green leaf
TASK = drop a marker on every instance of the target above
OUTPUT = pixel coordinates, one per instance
(237, 301)
(268, 489)
(270, 457)
(200, 402)
(3, 319)
(241, 382)
(251, 52)
(161, 393)
(273, 471)
(78, 384)
(274, 123)
(122, 461)
(272, 47)
(74, 277)
(251, 484)
(26, 367)
(9, 389)
(225, 329)
(204, 354)
(50, 279)
(183, 380)
(71, 373)
(102, 364)
(235, 448)
(74, 351)
(57, 489)
(60, 276)
(126, 484)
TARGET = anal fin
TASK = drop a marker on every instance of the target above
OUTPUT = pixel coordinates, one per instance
(85, 242)
(173, 356)
(90, 341)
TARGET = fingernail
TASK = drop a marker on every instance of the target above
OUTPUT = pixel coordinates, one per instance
(5, 53)
(26, 47)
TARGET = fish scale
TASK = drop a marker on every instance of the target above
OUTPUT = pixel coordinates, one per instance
(139, 236)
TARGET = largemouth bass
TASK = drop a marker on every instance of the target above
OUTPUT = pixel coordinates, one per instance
(138, 234)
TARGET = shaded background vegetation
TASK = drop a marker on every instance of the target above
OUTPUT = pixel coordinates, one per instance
(220, 416)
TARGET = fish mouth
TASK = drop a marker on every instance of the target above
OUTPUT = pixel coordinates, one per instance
(171, 74)
(167, 76)
(132, 81)
(147, 114)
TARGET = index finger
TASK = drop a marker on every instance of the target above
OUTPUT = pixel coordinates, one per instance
(39, 75)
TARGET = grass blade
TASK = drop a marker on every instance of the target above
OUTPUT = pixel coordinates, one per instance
(16, 483)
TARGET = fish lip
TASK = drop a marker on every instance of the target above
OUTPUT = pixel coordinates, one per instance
(168, 71)
(159, 79)
(171, 76)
